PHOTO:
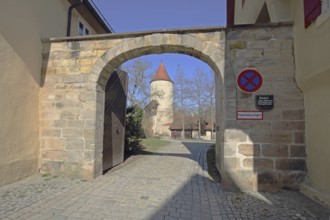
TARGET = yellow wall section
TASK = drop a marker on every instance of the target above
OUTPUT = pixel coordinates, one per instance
(19, 130)
(312, 50)
(23, 24)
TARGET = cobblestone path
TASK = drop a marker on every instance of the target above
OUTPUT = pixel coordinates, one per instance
(170, 184)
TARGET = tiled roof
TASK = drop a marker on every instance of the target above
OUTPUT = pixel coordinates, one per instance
(161, 74)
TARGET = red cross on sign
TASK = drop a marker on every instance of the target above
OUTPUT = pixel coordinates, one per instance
(249, 81)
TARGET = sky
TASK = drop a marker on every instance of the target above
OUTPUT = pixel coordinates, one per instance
(145, 15)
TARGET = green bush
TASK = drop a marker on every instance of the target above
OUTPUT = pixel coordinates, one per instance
(134, 131)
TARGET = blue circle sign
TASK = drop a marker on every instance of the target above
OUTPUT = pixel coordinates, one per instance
(249, 81)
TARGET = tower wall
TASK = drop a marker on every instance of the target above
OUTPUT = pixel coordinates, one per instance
(162, 92)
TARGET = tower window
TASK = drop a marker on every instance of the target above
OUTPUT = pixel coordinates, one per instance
(82, 29)
(86, 31)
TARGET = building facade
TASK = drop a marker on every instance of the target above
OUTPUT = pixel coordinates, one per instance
(161, 91)
(23, 25)
(311, 34)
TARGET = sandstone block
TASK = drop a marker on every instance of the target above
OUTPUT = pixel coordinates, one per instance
(70, 115)
(76, 124)
(50, 115)
(53, 123)
(89, 172)
(235, 136)
(88, 96)
(293, 114)
(68, 62)
(290, 103)
(293, 179)
(275, 150)
(66, 105)
(255, 125)
(89, 156)
(60, 46)
(249, 149)
(90, 144)
(90, 123)
(74, 79)
(50, 132)
(75, 144)
(89, 133)
(299, 137)
(269, 181)
(85, 69)
(52, 167)
(56, 143)
(289, 125)
(297, 151)
(250, 53)
(261, 44)
(291, 164)
(237, 44)
(88, 115)
(277, 137)
(71, 156)
(88, 53)
(85, 62)
(258, 163)
(73, 132)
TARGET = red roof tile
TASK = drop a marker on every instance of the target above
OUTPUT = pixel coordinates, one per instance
(161, 74)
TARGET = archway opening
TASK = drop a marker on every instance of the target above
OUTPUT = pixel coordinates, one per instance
(115, 63)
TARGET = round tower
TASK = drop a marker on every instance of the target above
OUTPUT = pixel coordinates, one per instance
(161, 91)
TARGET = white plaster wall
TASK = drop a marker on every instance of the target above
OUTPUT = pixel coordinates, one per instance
(279, 11)
(165, 108)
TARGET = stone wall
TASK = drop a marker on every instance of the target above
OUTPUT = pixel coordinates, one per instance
(75, 72)
(263, 154)
(266, 154)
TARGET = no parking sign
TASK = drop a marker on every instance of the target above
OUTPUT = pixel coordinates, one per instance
(249, 81)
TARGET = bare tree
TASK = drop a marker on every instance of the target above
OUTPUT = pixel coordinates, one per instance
(140, 76)
(199, 94)
(181, 96)
(210, 101)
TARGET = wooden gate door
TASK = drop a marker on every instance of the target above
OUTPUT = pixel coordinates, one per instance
(114, 119)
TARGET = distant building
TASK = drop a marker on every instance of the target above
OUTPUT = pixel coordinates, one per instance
(159, 113)
(190, 127)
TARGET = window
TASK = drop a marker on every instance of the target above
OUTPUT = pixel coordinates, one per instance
(312, 9)
(82, 29)
(325, 5)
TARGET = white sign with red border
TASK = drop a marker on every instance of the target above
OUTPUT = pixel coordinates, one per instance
(249, 115)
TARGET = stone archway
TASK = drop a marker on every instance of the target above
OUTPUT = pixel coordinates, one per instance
(72, 98)
(266, 154)
(209, 52)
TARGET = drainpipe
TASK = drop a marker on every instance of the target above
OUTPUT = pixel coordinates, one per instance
(68, 30)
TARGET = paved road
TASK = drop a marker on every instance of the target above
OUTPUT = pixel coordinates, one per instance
(170, 184)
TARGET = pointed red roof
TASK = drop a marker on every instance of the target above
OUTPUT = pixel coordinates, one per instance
(161, 74)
